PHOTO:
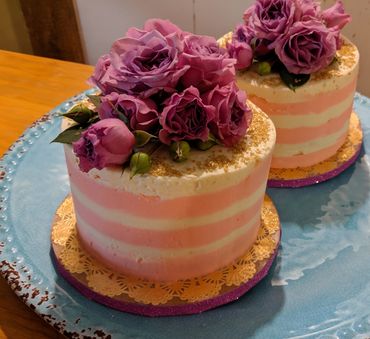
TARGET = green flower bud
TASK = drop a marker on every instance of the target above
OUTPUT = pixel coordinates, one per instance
(179, 150)
(140, 163)
(264, 68)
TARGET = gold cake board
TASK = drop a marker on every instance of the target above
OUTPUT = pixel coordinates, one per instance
(325, 170)
(154, 298)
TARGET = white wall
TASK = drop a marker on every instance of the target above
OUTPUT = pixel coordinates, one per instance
(104, 21)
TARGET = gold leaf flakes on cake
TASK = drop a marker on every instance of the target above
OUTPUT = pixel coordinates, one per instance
(346, 59)
(161, 168)
(216, 158)
(104, 281)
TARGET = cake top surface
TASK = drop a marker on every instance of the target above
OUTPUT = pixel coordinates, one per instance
(204, 171)
(257, 143)
(346, 61)
(295, 39)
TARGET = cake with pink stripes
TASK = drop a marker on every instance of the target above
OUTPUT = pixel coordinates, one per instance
(312, 121)
(179, 220)
(295, 64)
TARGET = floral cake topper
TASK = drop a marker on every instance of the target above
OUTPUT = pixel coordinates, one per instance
(293, 37)
(159, 86)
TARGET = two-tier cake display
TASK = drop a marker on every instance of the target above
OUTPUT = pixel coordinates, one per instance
(296, 66)
(168, 165)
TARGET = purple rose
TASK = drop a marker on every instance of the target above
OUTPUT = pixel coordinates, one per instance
(144, 63)
(165, 27)
(102, 75)
(268, 19)
(240, 48)
(233, 116)
(307, 47)
(185, 117)
(336, 18)
(141, 114)
(306, 10)
(105, 143)
(209, 63)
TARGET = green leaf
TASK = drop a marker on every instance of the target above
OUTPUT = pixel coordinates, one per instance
(95, 99)
(142, 137)
(69, 135)
(80, 113)
(293, 81)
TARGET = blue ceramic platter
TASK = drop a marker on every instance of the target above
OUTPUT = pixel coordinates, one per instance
(319, 285)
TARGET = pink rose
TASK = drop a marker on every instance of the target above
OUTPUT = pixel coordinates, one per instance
(144, 62)
(140, 114)
(185, 117)
(306, 10)
(240, 48)
(268, 19)
(208, 63)
(105, 143)
(307, 47)
(233, 116)
(336, 18)
(165, 27)
(102, 76)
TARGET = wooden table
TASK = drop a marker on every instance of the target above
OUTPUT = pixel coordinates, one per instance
(29, 87)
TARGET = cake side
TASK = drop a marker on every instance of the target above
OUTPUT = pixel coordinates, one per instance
(179, 220)
(311, 122)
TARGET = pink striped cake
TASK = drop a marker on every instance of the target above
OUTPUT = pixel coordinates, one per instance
(312, 121)
(180, 220)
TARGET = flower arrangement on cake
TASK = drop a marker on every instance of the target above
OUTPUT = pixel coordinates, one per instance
(297, 67)
(294, 38)
(159, 86)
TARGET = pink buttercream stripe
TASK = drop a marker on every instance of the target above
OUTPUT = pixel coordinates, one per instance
(308, 159)
(305, 134)
(182, 238)
(171, 269)
(154, 207)
(314, 104)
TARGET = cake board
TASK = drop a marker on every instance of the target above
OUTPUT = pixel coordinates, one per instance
(153, 298)
(325, 170)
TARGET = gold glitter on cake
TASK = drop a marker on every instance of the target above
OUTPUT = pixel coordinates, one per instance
(218, 157)
(131, 289)
(348, 150)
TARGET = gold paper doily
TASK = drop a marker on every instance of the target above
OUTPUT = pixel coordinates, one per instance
(126, 288)
(348, 150)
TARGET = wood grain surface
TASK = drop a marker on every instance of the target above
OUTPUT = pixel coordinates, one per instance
(29, 87)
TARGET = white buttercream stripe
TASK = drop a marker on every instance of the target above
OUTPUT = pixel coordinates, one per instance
(167, 224)
(312, 120)
(153, 254)
(286, 150)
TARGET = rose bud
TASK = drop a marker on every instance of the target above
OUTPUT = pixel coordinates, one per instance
(105, 143)
(140, 163)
